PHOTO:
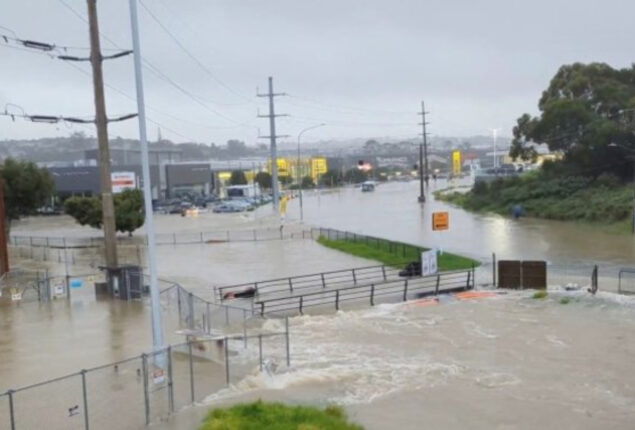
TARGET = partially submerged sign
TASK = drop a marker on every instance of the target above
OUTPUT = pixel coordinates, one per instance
(429, 263)
(440, 221)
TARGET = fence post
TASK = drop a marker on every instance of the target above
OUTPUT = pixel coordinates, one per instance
(286, 335)
(337, 300)
(170, 381)
(11, 411)
(190, 310)
(372, 294)
(260, 350)
(323, 281)
(226, 361)
(245, 328)
(178, 303)
(405, 290)
(436, 288)
(354, 277)
(85, 397)
(494, 269)
(290, 285)
(301, 304)
(146, 394)
(207, 317)
(469, 276)
(383, 271)
(191, 362)
(473, 277)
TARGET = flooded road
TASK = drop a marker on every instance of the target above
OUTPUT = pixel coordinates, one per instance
(392, 211)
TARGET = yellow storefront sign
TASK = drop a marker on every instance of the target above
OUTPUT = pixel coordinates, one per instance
(456, 162)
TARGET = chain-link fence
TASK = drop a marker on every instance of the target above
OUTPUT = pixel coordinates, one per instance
(142, 390)
(180, 238)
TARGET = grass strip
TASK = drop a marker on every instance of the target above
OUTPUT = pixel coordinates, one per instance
(277, 416)
(394, 254)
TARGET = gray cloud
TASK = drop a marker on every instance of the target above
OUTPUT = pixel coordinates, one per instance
(477, 64)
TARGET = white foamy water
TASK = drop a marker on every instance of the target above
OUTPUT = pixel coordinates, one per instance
(494, 359)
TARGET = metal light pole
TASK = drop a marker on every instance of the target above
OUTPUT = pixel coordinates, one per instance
(299, 177)
(157, 329)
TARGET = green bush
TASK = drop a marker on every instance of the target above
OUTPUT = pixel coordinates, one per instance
(542, 294)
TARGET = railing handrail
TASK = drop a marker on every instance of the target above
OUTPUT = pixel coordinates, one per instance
(407, 282)
(286, 278)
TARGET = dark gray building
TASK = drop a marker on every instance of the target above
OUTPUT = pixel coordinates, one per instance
(71, 181)
(192, 177)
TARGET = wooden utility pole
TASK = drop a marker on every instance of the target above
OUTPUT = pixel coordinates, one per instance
(101, 120)
(4, 252)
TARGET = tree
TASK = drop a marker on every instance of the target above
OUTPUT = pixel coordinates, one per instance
(129, 214)
(307, 182)
(238, 178)
(585, 109)
(263, 179)
(26, 188)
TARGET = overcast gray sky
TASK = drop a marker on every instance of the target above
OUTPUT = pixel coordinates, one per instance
(362, 67)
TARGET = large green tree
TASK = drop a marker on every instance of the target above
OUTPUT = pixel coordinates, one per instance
(238, 178)
(129, 214)
(263, 179)
(587, 114)
(26, 188)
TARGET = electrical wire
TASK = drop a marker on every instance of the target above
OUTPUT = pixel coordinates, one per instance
(192, 56)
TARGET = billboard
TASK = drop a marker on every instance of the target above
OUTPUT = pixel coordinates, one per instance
(122, 181)
(456, 162)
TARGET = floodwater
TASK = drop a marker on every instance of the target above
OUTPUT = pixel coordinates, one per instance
(507, 362)
(392, 211)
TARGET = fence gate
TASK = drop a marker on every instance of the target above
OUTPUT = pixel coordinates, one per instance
(522, 274)
(509, 274)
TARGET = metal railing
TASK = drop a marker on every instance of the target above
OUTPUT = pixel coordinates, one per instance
(402, 290)
(141, 390)
(322, 280)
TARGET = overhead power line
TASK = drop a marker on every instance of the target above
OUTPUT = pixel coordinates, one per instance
(158, 73)
(192, 56)
(54, 119)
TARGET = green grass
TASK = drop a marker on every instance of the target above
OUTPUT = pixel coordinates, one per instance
(542, 294)
(565, 300)
(602, 201)
(276, 416)
(393, 253)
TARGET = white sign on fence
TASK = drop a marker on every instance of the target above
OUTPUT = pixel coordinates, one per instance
(122, 181)
(58, 289)
(429, 262)
(16, 297)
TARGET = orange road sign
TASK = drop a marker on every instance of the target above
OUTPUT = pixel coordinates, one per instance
(440, 221)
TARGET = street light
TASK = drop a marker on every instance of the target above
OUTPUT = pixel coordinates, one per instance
(299, 178)
(632, 152)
